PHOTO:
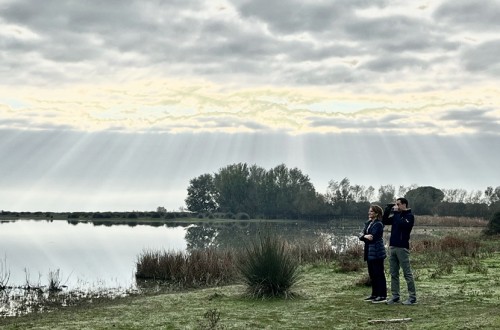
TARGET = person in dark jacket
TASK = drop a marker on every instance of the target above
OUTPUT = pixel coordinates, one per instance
(374, 253)
(400, 217)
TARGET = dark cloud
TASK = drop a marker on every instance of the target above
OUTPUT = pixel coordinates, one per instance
(290, 17)
(470, 14)
(317, 43)
(395, 62)
(480, 120)
(483, 58)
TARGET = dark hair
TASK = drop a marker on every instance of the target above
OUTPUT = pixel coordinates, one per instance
(378, 210)
(403, 201)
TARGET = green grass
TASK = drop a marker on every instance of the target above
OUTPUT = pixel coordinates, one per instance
(327, 299)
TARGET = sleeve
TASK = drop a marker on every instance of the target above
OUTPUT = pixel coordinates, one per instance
(362, 234)
(386, 220)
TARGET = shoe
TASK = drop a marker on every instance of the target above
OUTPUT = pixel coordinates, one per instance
(379, 300)
(392, 301)
(370, 298)
(410, 302)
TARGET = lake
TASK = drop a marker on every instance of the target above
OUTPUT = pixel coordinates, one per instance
(96, 256)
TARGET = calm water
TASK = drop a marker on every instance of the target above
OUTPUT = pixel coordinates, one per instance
(98, 257)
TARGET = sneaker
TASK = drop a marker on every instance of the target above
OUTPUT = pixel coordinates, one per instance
(379, 300)
(410, 302)
(393, 301)
(369, 298)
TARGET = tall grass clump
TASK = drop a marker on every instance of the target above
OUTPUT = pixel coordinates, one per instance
(204, 267)
(4, 274)
(268, 268)
(55, 280)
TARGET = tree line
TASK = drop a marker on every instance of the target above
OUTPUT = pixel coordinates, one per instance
(287, 193)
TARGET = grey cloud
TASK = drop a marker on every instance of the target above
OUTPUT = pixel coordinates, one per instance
(470, 14)
(392, 62)
(398, 33)
(175, 38)
(229, 122)
(294, 16)
(484, 58)
(479, 119)
(324, 75)
(351, 122)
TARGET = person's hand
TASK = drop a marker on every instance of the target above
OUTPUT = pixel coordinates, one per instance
(369, 237)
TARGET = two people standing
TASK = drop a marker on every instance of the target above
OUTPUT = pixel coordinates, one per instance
(401, 219)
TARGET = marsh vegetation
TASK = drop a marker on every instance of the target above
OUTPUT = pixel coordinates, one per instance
(447, 257)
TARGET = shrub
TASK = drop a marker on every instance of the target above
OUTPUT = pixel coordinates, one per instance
(268, 269)
(494, 225)
(351, 260)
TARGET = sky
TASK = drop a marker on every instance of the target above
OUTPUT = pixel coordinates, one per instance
(116, 105)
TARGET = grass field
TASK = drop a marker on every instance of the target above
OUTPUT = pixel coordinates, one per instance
(455, 291)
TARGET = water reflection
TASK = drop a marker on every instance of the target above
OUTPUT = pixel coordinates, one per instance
(97, 258)
(102, 255)
(88, 255)
(235, 234)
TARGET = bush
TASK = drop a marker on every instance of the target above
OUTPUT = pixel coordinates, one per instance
(494, 225)
(268, 269)
(351, 260)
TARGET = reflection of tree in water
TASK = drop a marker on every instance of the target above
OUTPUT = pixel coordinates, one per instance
(201, 237)
(237, 234)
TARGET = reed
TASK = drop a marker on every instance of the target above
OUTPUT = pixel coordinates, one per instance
(4, 274)
(205, 267)
(427, 220)
(55, 279)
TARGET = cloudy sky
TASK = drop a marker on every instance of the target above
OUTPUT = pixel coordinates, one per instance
(116, 105)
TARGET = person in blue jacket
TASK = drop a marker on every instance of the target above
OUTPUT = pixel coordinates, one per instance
(401, 220)
(374, 253)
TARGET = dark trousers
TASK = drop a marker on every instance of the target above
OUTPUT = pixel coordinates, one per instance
(377, 276)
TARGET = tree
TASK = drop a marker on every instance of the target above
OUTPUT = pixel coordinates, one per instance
(340, 195)
(370, 194)
(424, 200)
(386, 194)
(232, 186)
(161, 210)
(201, 194)
(492, 195)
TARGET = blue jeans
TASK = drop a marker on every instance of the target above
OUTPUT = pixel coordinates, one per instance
(400, 258)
